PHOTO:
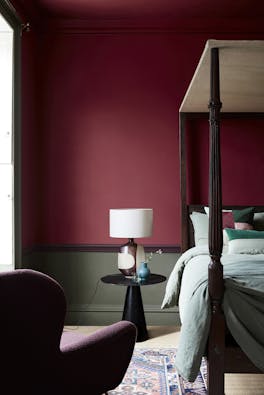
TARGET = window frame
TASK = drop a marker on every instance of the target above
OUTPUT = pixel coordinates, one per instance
(9, 13)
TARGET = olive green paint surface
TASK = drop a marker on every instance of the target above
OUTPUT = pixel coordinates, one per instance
(89, 300)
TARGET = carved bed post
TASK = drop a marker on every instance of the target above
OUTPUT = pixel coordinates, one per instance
(215, 270)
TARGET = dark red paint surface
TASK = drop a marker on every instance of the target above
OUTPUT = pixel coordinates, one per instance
(100, 131)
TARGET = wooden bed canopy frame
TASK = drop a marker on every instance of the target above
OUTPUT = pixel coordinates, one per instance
(220, 60)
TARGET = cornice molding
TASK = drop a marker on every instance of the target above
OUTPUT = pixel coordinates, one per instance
(43, 23)
(100, 24)
(152, 25)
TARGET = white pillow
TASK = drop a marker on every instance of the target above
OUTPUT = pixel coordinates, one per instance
(246, 246)
(200, 223)
(245, 241)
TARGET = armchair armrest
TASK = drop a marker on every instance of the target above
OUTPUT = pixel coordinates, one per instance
(100, 360)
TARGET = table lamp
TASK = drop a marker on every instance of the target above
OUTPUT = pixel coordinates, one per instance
(130, 223)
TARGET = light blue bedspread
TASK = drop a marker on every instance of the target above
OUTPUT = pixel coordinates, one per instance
(243, 305)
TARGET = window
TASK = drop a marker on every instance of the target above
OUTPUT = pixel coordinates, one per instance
(6, 151)
(10, 168)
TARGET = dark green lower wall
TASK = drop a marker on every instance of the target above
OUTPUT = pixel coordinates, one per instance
(91, 302)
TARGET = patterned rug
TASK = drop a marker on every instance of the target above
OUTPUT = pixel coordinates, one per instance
(152, 371)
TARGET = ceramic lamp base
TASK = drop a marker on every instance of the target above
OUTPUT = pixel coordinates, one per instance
(127, 259)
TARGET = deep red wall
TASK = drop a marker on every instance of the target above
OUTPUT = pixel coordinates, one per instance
(109, 134)
(100, 131)
(242, 161)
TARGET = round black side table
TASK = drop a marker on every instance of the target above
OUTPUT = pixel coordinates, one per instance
(133, 307)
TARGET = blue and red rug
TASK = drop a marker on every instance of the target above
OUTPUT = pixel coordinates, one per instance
(152, 372)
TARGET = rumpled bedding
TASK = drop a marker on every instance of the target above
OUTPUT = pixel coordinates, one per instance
(243, 305)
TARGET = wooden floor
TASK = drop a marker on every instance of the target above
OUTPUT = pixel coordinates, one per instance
(168, 336)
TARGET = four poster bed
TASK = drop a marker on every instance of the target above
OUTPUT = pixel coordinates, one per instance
(226, 294)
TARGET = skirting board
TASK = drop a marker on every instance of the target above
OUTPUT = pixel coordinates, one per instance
(108, 314)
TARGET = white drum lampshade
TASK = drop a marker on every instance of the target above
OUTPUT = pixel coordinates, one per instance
(131, 222)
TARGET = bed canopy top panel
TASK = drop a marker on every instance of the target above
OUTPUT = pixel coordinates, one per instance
(241, 66)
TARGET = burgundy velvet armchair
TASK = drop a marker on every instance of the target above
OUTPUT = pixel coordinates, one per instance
(38, 358)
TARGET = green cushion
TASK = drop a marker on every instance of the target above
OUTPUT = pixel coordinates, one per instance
(244, 234)
(246, 215)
